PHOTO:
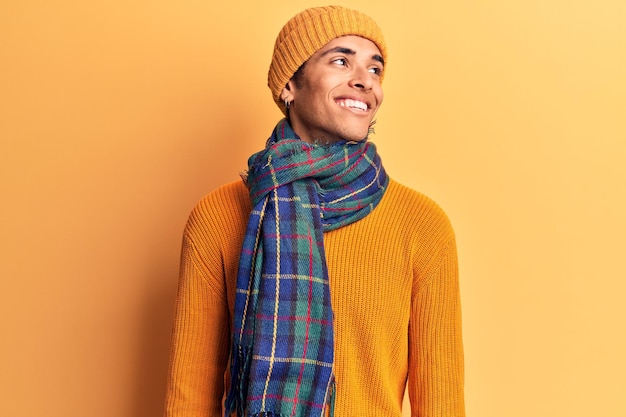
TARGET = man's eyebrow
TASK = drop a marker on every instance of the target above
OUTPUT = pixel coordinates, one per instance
(339, 49)
(348, 51)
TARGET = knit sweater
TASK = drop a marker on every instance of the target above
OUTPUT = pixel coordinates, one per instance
(395, 297)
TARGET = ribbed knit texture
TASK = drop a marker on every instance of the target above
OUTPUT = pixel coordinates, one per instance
(395, 297)
(307, 32)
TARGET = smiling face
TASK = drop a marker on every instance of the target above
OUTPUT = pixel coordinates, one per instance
(338, 91)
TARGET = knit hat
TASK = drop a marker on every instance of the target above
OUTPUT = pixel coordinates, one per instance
(307, 32)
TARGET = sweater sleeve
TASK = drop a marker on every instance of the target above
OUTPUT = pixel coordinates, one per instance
(200, 340)
(435, 345)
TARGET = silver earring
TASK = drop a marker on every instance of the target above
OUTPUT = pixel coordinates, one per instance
(287, 104)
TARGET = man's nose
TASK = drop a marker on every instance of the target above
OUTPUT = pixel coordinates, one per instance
(361, 78)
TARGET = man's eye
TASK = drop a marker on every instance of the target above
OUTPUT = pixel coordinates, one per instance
(340, 61)
(376, 70)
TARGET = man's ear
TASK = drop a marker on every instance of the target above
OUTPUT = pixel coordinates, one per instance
(287, 93)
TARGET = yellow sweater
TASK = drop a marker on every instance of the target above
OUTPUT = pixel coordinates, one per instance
(395, 297)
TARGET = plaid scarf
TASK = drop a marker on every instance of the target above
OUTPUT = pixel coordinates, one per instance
(282, 357)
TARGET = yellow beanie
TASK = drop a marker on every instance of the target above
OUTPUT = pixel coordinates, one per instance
(307, 32)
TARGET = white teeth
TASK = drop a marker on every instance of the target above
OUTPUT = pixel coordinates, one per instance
(353, 104)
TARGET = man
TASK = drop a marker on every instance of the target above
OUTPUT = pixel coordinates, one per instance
(319, 286)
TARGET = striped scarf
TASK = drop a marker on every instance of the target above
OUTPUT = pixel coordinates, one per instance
(282, 357)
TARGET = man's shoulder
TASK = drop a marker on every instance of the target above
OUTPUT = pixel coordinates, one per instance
(416, 210)
(226, 204)
(234, 192)
(413, 199)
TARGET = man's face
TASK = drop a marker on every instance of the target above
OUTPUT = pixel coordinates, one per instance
(338, 92)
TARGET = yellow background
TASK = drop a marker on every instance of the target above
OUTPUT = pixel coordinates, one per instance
(116, 117)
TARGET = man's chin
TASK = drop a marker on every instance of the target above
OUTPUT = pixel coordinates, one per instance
(358, 135)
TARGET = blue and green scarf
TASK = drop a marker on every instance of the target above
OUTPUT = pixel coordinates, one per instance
(283, 348)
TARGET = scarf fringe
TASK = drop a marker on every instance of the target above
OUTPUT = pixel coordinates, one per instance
(241, 358)
(331, 397)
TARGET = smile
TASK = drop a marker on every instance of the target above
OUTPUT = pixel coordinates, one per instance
(352, 104)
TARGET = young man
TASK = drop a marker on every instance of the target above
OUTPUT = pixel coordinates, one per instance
(318, 286)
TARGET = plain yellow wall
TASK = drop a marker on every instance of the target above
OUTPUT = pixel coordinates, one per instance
(116, 117)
